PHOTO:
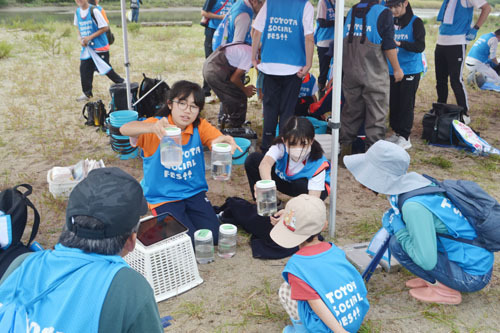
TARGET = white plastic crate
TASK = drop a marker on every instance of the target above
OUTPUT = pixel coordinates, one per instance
(169, 265)
(60, 189)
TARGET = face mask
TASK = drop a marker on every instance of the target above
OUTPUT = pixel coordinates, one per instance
(299, 154)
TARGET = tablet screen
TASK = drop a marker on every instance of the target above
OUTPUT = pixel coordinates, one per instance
(154, 229)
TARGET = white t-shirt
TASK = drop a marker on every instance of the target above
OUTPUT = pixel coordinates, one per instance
(316, 183)
(459, 39)
(101, 22)
(239, 56)
(259, 25)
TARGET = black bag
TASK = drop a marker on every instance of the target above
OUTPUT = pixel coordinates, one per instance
(154, 99)
(95, 114)
(437, 124)
(109, 35)
(15, 203)
(118, 92)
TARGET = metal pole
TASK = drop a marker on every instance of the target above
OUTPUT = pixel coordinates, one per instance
(334, 123)
(125, 51)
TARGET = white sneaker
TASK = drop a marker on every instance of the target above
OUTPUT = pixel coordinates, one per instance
(466, 119)
(403, 143)
(209, 99)
(82, 98)
(393, 138)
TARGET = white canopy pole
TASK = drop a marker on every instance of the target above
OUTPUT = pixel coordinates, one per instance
(125, 51)
(334, 122)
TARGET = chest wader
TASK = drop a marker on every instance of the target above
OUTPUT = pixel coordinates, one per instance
(217, 72)
(365, 86)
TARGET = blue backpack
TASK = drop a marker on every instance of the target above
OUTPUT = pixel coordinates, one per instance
(478, 207)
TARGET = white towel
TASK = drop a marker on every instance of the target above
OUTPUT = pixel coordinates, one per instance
(102, 67)
(449, 14)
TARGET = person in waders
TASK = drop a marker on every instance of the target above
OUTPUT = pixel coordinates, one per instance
(368, 42)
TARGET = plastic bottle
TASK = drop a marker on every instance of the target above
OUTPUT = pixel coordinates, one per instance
(171, 147)
(221, 161)
(227, 240)
(204, 246)
(265, 192)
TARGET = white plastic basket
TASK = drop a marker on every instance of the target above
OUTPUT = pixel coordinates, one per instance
(169, 265)
(60, 189)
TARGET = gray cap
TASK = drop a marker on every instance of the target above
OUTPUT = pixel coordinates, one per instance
(110, 195)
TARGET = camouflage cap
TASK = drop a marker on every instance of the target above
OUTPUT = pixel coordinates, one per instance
(110, 195)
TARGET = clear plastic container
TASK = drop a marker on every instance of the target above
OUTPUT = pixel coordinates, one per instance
(221, 161)
(265, 192)
(227, 240)
(171, 148)
(204, 246)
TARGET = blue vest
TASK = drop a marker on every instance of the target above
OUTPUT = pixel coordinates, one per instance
(371, 24)
(410, 62)
(462, 19)
(283, 39)
(473, 259)
(307, 87)
(480, 50)
(310, 169)
(63, 289)
(213, 23)
(337, 282)
(321, 34)
(238, 8)
(177, 183)
(87, 27)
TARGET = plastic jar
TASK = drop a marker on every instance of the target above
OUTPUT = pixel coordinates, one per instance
(265, 192)
(227, 240)
(221, 161)
(204, 246)
(171, 147)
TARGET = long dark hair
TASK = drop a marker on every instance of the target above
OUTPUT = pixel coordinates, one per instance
(182, 89)
(300, 131)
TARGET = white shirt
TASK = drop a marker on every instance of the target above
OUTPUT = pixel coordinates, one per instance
(101, 22)
(316, 183)
(259, 25)
(459, 39)
(239, 56)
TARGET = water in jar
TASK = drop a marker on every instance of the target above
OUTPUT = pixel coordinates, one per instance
(204, 253)
(171, 153)
(221, 170)
(266, 207)
(227, 247)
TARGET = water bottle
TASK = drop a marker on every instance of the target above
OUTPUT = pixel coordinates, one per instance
(171, 148)
(204, 246)
(221, 161)
(265, 192)
(227, 240)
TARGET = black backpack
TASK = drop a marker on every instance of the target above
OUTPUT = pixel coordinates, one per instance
(95, 114)
(155, 93)
(437, 124)
(118, 93)
(15, 204)
(109, 34)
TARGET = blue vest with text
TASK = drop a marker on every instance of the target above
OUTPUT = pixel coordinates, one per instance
(462, 18)
(177, 183)
(59, 290)
(311, 169)
(321, 34)
(371, 24)
(473, 259)
(283, 39)
(481, 50)
(87, 27)
(308, 82)
(337, 282)
(213, 23)
(410, 62)
(238, 8)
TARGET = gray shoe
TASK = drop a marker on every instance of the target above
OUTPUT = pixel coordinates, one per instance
(83, 98)
(393, 138)
(403, 143)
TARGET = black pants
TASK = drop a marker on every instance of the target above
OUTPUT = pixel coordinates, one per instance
(292, 188)
(87, 69)
(209, 34)
(280, 97)
(402, 103)
(324, 65)
(449, 61)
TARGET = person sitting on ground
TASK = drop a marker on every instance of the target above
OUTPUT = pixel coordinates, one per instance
(180, 190)
(444, 267)
(322, 291)
(83, 284)
(482, 57)
(224, 71)
(307, 95)
(300, 167)
(92, 29)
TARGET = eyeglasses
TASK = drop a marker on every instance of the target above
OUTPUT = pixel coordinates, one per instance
(183, 105)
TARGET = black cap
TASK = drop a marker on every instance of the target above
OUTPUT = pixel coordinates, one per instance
(110, 195)
(392, 3)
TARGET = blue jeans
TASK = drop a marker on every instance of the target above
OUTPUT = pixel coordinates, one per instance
(195, 213)
(135, 15)
(447, 272)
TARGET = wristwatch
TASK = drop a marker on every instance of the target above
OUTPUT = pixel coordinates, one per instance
(476, 27)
